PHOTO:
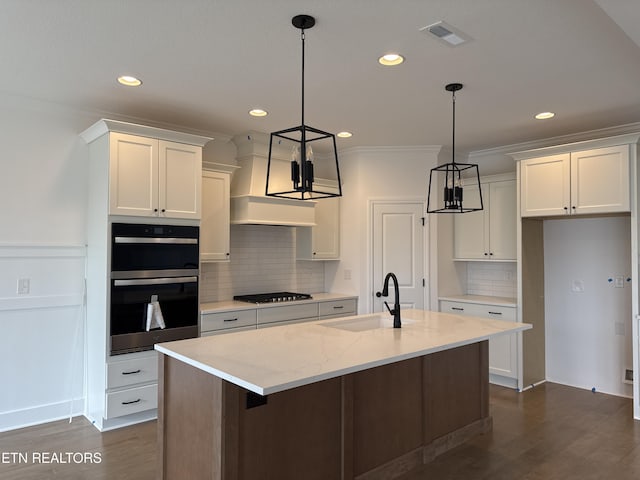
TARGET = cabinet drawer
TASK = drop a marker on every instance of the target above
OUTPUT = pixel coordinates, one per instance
(337, 307)
(226, 330)
(223, 320)
(131, 400)
(479, 310)
(132, 371)
(289, 312)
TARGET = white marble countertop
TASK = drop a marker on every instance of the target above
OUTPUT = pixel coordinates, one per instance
(481, 299)
(235, 305)
(271, 360)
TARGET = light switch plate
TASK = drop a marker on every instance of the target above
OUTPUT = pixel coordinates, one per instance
(577, 286)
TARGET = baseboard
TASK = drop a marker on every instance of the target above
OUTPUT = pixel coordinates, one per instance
(28, 417)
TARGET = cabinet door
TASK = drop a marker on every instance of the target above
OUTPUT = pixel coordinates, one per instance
(503, 350)
(326, 233)
(502, 220)
(600, 180)
(544, 186)
(180, 172)
(322, 241)
(214, 226)
(471, 238)
(133, 175)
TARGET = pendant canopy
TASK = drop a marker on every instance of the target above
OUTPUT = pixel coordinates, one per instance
(303, 161)
(451, 176)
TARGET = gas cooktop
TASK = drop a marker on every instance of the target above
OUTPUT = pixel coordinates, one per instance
(273, 297)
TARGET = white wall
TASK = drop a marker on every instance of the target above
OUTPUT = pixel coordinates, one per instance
(588, 332)
(372, 174)
(43, 191)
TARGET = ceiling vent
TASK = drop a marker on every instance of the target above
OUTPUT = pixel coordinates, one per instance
(446, 34)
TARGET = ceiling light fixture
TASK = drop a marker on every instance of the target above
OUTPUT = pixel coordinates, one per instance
(453, 178)
(258, 112)
(129, 81)
(344, 134)
(391, 59)
(545, 115)
(301, 165)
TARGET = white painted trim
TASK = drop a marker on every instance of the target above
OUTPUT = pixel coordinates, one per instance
(630, 138)
(30, 302)
(41, 414)
(105, 125)
(561, 139)
(35, 250)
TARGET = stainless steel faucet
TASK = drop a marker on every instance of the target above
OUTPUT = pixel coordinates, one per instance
(396, 305)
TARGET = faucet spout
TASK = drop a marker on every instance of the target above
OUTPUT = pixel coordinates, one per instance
(396, 305)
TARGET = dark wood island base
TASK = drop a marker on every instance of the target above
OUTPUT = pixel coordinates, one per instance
(374, 424)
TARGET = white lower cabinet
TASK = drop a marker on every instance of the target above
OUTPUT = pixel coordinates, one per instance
(132, 386)
(503, 350)
(228, 321)
(337, 308)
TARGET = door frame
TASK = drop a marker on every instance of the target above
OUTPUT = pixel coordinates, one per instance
(371, 203)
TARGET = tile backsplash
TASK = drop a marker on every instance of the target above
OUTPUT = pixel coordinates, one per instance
(263, 259)
(496, 279)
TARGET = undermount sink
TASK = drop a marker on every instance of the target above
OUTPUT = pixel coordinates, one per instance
(370, 322)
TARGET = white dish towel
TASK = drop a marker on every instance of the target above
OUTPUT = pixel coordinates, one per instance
(154, 314)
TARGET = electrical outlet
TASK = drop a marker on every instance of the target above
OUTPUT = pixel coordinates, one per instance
(24, 285)
(347, 274)
(619, 282)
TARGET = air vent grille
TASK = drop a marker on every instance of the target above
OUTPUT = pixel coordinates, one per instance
(447, 34)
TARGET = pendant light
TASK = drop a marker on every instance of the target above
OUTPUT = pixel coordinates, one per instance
(454, 175)
(312, 171)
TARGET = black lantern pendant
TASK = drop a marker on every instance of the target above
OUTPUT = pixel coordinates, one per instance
(313, 171)
(454, 174)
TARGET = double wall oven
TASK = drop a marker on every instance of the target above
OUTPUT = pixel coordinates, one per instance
(157, 266)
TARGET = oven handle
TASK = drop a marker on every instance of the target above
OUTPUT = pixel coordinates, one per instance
(171, 240)
(153, 281)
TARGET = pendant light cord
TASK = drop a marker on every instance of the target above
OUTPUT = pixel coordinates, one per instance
(453, 135)
(302, 38)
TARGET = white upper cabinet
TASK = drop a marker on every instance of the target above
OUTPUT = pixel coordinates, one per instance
(152, 172)
(488, 234)
(150, 177)
(180, 174)
(214, 226)
(580, 182)
(321, 242)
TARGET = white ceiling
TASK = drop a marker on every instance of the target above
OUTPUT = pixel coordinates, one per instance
(205, 63)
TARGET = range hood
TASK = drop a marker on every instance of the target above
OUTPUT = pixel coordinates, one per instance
(249, 204)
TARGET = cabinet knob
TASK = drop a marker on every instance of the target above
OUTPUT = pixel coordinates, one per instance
(574, 207)
(155, 210)
(227, 254)
(485, 253)
(490, 253)
(565, 208)
(163, 210)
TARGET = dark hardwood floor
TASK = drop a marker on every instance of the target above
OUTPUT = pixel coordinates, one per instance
(550, 432)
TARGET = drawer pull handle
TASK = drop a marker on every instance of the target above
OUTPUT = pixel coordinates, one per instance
(338, 307)
(133, 372)
(495, 313)
(230, 320)
(458, 309)
(132, 401)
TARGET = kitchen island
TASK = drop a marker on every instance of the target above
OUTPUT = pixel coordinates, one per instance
(335, 399)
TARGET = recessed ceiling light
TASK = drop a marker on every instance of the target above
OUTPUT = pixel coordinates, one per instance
(545, 115)
(344, 134)
(258, 112)
(129, 81)
(391, 59)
